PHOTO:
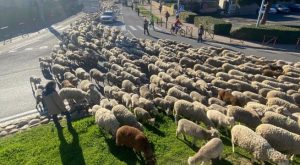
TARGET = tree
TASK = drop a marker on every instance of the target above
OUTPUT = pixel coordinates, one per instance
(268, 4)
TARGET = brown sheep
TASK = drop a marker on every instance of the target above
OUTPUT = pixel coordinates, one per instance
(133, 138)
(67, 84)
(227, 97)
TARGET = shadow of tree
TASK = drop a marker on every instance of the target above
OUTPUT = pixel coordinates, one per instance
(70, 153)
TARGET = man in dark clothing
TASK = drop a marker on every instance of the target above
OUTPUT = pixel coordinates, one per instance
(146, 24)
(160, 8)
(167, 15)
(200, 33)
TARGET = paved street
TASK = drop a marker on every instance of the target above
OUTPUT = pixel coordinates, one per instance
(19, 59)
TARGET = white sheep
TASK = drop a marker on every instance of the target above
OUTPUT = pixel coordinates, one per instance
(256, 145)
(143, 116)
(280, 139)
(211, 150)
(129, 86)
(280, 102)
(219, 119)
(245, 116)
(187, 127)
(193, 111)
(34, 81)
(105, 119)
(125, 117)
(175, 92)
(73, 94)
(279, 94)
(82, 74)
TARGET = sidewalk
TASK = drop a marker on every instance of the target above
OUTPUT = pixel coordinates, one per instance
(217, 38)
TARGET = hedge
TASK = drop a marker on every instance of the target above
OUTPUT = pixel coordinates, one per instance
(286, 35)
(187, 16)
(219, 26)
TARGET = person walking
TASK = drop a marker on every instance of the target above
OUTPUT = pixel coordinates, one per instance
(200, 33)
(54, 105)
(167, 15)
(138, 11)
(160, 8)
(146, 24)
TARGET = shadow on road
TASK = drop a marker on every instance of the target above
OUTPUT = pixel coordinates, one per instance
(70, 153)
(54, 32)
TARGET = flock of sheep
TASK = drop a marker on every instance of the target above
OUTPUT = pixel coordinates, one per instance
(127, 82)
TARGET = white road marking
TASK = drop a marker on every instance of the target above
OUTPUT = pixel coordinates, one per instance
(56, 27)
(63, 28)
(43, 47)
(28, 49)
(56, 46)
(18, 115)
(270, 51)
(140, 27)
(123, 28)
(12, 51)
(26, 43)
(133, 28)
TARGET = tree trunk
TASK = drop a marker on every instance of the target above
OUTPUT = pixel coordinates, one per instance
(265, 15)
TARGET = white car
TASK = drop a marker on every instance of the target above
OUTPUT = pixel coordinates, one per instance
(108, 17)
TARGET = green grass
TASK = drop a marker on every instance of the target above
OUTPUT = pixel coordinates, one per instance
(88, 145)
(146, 13)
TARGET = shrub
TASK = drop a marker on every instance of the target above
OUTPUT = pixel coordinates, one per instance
(187, 16)
(219, 26)
(286, 35)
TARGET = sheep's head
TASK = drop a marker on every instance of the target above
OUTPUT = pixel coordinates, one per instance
(231, 121)
(214, 133)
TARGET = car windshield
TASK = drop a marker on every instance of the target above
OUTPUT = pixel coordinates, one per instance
(108, 13)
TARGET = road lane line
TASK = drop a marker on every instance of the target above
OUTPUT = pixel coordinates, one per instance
(18, 115)
(43, 47)
(56, 46)
(28, 49)
(140, 27)
(12, 51)
(131, 27)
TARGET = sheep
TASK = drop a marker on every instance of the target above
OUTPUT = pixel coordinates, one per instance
(214, 100)
(179, 94)
(219, 119)
(296, 98)
(153, 69)
(280, 139)
(244, 86)
(227, 67)
(260, 109)
(227, 97)
(255, 96)
(105, 119)
(204, 68)
(34, 81)
(85, 85)
(97, 75)
(225, 85)
(278, 101)
(281, 121)
(145, 92)
(257, 145)
(187, 127)
(193, 111)
(291, 92)
(134, 138)
(217, 107)
(261, 78)
(259, 86)
(245, 116)
(73, 94)
(185, 82)
(125, 117)
(82, 74)
(240, 73)
(264, 91)
(225, 76)
(284, 78)
(94, 96)
(281, 95)
(67, 84)
(282, 86)
(165, 77)
(143, 116)
(128, 86)
(214, 62)
(147, 105)
(198, 97)
(211, 150)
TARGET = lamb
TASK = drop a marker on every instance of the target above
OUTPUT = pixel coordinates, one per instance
(125, 117)
(277, 101)
(129, 87)
(257, 145)
(211, 150)
(105, 119)
(179, 94)
(219, 119)
(193, 111)
(245, 116)
(143, 116)
(281, 121)
(279, 94)
(97, 75)
(279, 138)
(134, 138)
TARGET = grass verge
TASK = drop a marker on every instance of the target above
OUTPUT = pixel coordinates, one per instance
(88, 145)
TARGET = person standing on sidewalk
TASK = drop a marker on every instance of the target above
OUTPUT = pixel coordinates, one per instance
(200, 33)
(146, 24)
(54, 105)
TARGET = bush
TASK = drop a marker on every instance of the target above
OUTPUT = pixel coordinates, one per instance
(187, 16)
(286, 35)
(219, 26)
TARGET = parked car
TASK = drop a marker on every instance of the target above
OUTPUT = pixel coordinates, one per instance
(281, 8)
(108, 17)
(294, 7)
(271, 11)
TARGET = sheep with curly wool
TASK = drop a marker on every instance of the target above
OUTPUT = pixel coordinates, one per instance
(187, 127)
(125, 117)
(254, 143)
(105, 119)
(245, 116)
(278, 101)
(211, 150)
(281, 121)
(193, 111)
(134, 138)
(280, 138)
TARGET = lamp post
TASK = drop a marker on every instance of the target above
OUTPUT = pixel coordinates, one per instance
(260, 12)
(178, 6)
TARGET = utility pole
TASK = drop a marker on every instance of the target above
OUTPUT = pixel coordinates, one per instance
(260, 12)
(178, 6)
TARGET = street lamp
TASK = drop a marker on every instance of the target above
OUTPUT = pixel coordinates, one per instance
(260, 12)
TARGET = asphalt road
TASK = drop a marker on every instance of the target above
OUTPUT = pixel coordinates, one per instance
(19, 59)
